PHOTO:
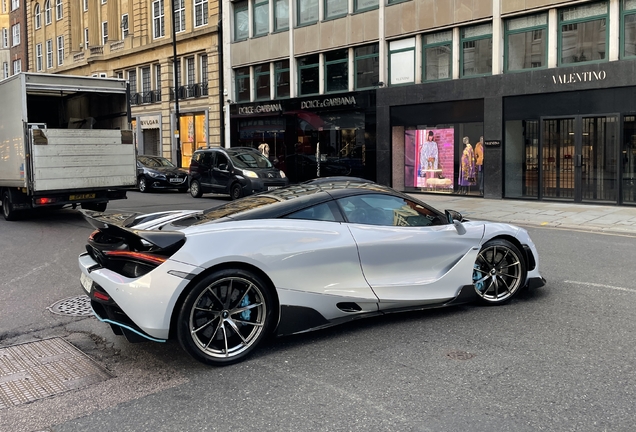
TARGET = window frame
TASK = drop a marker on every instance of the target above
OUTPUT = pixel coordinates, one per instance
(179, 15)
(5, 70)
(335, 16)
(426, 46)
(203, 5)
(59, 10)
(326, 64)
(300, 68)
(625, 12)
(37, 16)
(132, 83)
(397, 51)
(276, 27)
(125, 29)
(262, 4)
(561, 23)
(48, 15)
(5, 37)
(364, 57)
(15, 35)
(241, 7)
(49, 53)
(507, 33)
(277, 72)
(15, 5)
(357, 9)
(298, 11)
(257, 75)
(17, 66)
(60, 50)
(463, 39)
(104, 32)
(39, 61)
(240, 75)
(158, 20)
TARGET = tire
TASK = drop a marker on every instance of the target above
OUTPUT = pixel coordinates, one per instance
(7, 207)
(98, 207)
(195, 189)
(225, 317)
(499, 272)
(236, 191)
(142, 184)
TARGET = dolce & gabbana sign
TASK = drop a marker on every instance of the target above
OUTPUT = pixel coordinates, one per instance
(330, 102)
(257, 109)
(579, 77)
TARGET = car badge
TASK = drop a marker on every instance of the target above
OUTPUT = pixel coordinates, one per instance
(270, 175)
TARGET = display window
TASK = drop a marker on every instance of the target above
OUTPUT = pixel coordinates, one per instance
(445, 158)
(192, 130)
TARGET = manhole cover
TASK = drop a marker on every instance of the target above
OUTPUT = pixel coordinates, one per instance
(36, 370)
(73, 306)
(460, 355)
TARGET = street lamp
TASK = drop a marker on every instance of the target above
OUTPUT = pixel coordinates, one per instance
(175, 74)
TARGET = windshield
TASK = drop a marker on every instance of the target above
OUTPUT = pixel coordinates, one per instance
(155, 161)
(249, 159)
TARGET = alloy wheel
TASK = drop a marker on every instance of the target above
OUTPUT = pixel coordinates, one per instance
(499, 272)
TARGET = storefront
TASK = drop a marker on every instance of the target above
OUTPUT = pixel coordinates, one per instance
(150, 139)
(193, 134)
(566, 134)
(311, 137)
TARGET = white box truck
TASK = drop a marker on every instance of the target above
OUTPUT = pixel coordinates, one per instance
(64, 141)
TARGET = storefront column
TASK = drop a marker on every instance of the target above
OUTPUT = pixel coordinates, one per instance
(383, 146)
(493, 155)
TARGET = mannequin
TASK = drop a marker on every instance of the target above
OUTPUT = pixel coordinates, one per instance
(264, 149)
(479, 164)
(467, 169)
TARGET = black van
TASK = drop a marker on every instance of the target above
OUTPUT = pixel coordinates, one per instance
(237, 171)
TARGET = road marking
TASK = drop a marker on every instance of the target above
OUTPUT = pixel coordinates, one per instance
(602, 286)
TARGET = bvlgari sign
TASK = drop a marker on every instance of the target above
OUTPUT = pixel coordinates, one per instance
(579, 77)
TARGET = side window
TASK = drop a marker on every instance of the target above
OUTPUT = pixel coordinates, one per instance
(387, 210)
(221, 160)
(207, 159)
(321, 212)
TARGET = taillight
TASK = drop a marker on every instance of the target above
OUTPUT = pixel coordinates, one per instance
(44, 201)
(144, 257)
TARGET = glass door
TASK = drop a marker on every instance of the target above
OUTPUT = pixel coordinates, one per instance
(579, 158)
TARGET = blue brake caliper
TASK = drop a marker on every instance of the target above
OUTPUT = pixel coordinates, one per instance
(245, 315)
(479, 286)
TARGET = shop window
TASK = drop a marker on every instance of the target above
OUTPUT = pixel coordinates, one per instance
(364, 5)
(367, 66)
(476, 55)
(521, 159)
(307, 12)
(261, 81)
(335, 8)
(337, 71)
(437, 56)
(179, 15)
(309, 75)
(526, 45)
(628, 160)
(241, 21)
(242, 78)
(281, 15)
(158, 19)
(628, 46)
(193, 133)
(261, 17)
(402, 62)
(281, 71)
(583, 33)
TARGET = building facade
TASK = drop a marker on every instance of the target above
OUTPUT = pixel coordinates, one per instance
(506, 99)
(13, 47)
(5, 56)
(132, 39)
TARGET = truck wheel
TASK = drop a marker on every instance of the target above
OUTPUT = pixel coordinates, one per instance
(7, 207)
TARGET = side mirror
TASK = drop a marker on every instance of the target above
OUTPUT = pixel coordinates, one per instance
(453, 216)
(223, 167)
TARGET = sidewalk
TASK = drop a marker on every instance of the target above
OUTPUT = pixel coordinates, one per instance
(585, 217)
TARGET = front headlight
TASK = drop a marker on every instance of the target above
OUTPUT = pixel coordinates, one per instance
(251, 174)
(156, 175)
(282, 174)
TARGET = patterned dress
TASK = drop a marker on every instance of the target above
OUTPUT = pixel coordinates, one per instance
(467, 170)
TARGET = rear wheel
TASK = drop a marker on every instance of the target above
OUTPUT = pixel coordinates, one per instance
(7, 207)
(499, 272)
(142, 184)
(195, 189)
(236, 191)
(225, 317)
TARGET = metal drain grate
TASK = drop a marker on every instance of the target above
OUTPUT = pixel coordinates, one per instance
(73, 306)
(36, 370)
(460, 355)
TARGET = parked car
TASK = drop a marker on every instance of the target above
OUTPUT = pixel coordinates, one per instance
(237, 171)
(291, 260)
(157, 172)
(303, 167)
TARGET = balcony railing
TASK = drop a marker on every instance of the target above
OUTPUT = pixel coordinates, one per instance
(150, 96)
(190, 91)
(118, 45)
(78, 56)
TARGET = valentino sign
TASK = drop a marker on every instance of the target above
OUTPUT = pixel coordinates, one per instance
(579, 77)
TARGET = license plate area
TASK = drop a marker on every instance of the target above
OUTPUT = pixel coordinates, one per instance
(86, 282)
(81, 196)
(176, 180)
(269, 188)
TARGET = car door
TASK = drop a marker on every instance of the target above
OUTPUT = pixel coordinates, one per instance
(204, 170)
(409, 254)
(221, 172)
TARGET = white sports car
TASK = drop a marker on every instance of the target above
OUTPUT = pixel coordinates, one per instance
(292, 260)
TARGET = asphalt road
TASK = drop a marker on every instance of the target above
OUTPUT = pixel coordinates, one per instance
(559, 358)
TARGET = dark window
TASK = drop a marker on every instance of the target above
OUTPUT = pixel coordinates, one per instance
(261, 81)
(308, 73)
(281, 70)
(321, 212)
(387, 210)
(337, 70)
(367, 66)
(242, 76)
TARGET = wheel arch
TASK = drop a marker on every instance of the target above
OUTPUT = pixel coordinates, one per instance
(225, 266)
(529, 263)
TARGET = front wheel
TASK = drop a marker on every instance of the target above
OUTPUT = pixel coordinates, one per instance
(225, 316)
(236, 191)
(142, 184)
(499, 272)
(195, 189)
